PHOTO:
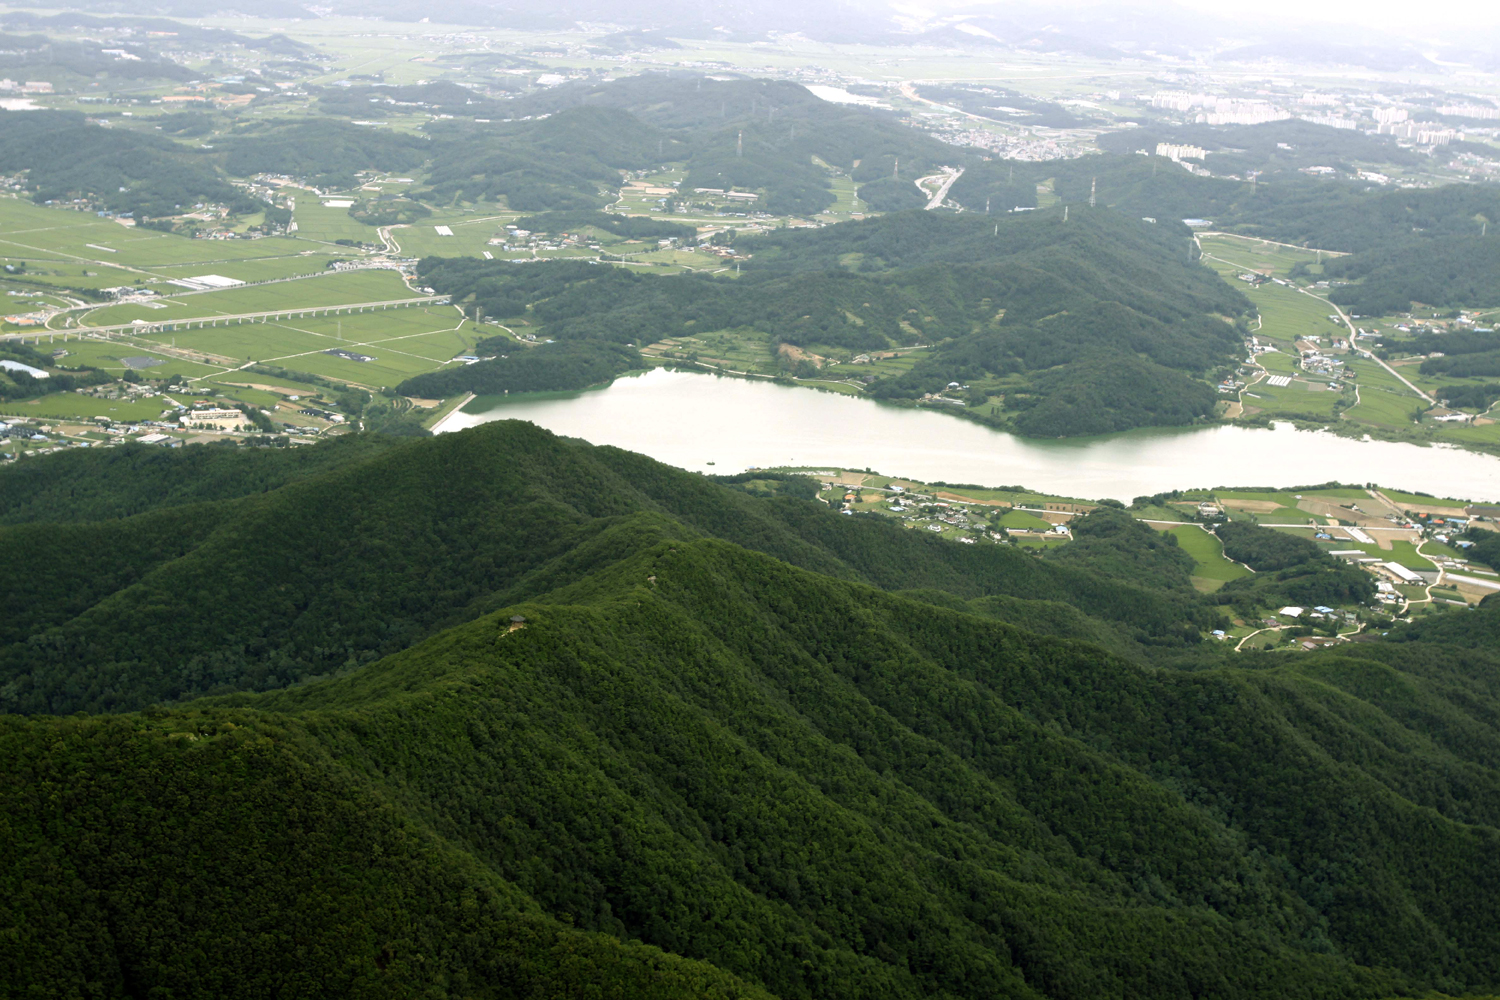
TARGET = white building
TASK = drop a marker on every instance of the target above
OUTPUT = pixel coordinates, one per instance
(1174, 151)
(220, 419)
(1401, 573)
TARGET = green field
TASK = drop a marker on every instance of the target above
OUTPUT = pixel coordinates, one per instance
(75, 406)
(1402, 552)
(331, 288)
(1245, 254)
(1299, 399)
(1213, 570)
(401, 343)
(109, 355)
(315, 222)
(1023, 519)
(64, 248)
(1287, 315)
(1384, 408)
(1399, 497)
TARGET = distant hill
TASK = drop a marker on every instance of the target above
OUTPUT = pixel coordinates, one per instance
(1099, 324)
(149, 175)
(634, 753)
(756, 133)
(1408, 244)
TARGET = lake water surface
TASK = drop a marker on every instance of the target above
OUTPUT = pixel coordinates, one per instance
(716, 424)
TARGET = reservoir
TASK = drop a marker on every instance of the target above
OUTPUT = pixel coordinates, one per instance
(725, 425)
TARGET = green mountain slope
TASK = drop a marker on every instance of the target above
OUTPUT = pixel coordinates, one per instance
(226, 855)
(781, 776)
(1098, 324)
(370, 546)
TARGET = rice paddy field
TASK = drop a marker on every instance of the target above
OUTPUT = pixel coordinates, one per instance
(378, 349)
(326, 289)
(58, 245)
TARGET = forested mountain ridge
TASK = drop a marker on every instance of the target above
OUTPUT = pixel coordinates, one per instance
(148, 175)
(1406, 244)
(791, 782)
(757, 134)
(1101, 322)
(296, 570)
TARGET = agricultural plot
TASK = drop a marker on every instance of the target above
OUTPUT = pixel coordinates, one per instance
(330, 289)
(1211, 570)
(76, 406)
(1401, 551)
(1272, 504)
(1022, 519)
(67, 248)
(1422, 499)
(471, 235)
(1485, 435)
(373, 349)
(1385, 407)
(1247, 254)
(1299, 399)
(1287, 315)
(315, 221)
(110, 356)
(846, 199)
(251, 269)
(1278, 362)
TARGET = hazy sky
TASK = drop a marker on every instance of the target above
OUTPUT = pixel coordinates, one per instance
(1447, 18)
(1390, 15)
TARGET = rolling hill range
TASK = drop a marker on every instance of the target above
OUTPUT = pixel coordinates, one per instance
(1096, 324)
(639, 733)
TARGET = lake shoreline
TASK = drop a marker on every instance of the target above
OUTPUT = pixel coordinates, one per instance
(690, 420)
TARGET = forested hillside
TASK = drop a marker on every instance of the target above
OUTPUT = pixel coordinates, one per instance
(1407, 245)
(296, 570)
(1102, 322)
(66, 157)
(668, 739)
(702, 121)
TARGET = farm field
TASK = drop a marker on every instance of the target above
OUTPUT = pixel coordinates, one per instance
(76, 406)
(1021, 519)
(333, 288)
(1385, 407)
(1299, 399)
(1213, 570)
(1417, 498)
(471, 234)
(398, 343)
(317, 222)
(1247, 253)
(1279, 362)
(109, 355)
(61, 247)
(1401, 552)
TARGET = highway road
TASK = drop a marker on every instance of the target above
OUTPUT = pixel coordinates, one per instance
(948, 176)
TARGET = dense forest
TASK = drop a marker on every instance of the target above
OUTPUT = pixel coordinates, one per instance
(545, 368)
(631, 227)
(327, 154)
(1407, 245)
(597, 725)
(748, 134)
(66, 157)
(1288, 570)
(1104, 320)
(1461, 354)
(1459, 270)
